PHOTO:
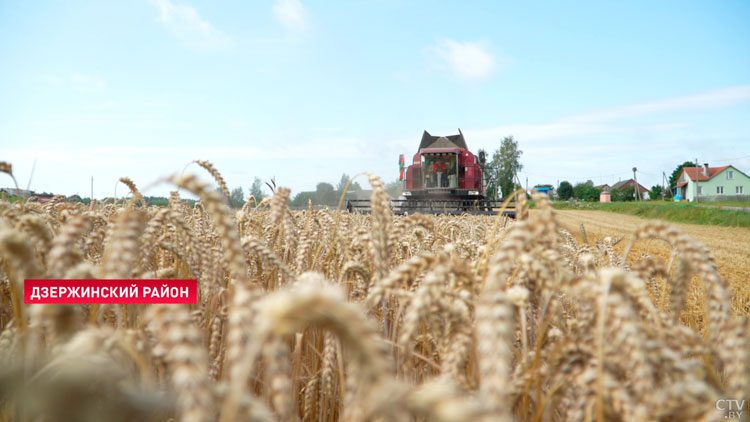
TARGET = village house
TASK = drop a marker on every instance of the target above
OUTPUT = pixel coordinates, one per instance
(706, 183)
(630, 182)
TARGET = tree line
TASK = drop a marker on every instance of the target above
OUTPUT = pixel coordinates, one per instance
(586, 191)
(325, 194)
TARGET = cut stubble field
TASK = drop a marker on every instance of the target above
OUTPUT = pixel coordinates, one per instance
(729, 245)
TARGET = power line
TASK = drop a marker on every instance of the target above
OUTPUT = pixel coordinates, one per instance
(730, 159)
(601, 176)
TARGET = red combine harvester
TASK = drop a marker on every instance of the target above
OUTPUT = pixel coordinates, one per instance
(443, 178)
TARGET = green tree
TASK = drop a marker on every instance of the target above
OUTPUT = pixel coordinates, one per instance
(580, 188)
(301, 199)
(77, 198)
(159, 201)
(504, 166)
(394, 188)
(256, 190)
(237, 198)
(626, 194)
(325, 194)
(656, 192)
(565, 191)
(342, 184)
(590, 193)
(676, 173)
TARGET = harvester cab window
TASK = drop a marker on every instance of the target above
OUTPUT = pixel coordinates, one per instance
(429, 172)
(440, 170)
(452, 174)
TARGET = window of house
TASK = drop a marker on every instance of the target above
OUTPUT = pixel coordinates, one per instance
(739, 190)
(700, 190)
(730, 175)
(720, 190)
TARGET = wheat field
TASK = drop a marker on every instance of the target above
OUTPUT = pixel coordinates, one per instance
(321, 315)
(730, 246)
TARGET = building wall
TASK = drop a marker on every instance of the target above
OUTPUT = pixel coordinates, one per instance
(690, 190)
(709, 187)
(724, 198)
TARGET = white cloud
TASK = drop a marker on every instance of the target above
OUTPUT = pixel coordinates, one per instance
(722, 97)
(610, 120)
(88, 83)
(53, 80)
(608, 142)
(602, 145)
(292, 15)
(76, 81)
(185, 23)
(471, 61)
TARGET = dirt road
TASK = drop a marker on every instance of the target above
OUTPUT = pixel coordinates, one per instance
(730, 246)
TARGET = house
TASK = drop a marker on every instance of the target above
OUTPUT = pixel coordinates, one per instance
(604, 187)
(630, 182)
(706, 183)
(43, 198)
(545, 189)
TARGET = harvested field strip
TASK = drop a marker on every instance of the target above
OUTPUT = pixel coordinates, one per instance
(691, 213)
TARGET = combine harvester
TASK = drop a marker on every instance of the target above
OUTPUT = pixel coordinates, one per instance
(444, 178)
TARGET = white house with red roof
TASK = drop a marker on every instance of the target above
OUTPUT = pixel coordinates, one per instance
(725, 183)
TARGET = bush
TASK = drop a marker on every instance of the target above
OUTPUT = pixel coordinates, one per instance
(565, 191)
(625, 194)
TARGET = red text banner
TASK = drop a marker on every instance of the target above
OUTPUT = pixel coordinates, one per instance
(110, 291)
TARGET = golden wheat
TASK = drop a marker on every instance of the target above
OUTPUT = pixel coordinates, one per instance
(320, 315)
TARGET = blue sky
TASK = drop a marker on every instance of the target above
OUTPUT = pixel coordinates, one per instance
(307, 90)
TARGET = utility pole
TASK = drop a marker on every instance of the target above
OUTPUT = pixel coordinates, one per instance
(518, 181)
(664, 185)
(527, 184)
(637, 189)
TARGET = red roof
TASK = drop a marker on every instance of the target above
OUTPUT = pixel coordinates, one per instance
(712, 171)
(679, 185)
(621, 184)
